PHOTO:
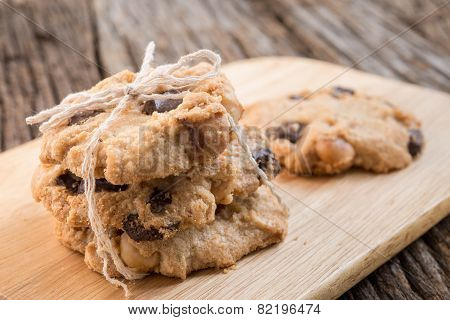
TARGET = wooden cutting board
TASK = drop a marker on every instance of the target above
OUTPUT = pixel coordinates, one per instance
(340, 228)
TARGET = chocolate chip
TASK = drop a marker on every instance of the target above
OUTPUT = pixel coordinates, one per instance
(161, 105)
(173, 226)
(264, 158)
(296, 97)
(339, 91)
(158, 200)
(196, 135)
(221, 211)
(219, 208)
(103, 185)
(114, 232)
(138, 232)
(83, 116)
(149, 107)
(70, 181)
(290, 130)
(415, 142)
(75, 184)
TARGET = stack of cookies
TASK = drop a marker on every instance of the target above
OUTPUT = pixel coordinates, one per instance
(174, 189)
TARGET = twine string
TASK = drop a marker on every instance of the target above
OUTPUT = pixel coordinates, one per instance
(242, 139)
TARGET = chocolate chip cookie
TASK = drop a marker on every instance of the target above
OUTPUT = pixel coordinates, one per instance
(157, 139)
(334, 129)
(148, 172)
(245, 225)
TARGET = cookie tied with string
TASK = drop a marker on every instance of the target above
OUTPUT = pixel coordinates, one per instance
(150, 155)
(157, 138)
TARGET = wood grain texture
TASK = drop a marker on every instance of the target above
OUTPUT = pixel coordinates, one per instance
(37, 70)
(341, 228)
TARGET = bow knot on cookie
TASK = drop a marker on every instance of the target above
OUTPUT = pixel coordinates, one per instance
(130, 91)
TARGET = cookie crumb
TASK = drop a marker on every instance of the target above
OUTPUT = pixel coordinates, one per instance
(228, 269)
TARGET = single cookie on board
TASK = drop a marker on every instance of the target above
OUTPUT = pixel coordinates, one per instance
(158, 208)
(153, 140)
(329, 131)
(241, 227)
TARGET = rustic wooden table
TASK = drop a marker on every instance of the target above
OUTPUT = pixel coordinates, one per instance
(51, 48)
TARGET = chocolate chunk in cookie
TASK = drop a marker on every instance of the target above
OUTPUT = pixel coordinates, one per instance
(290, 130)
(158, 200)
(415, 142)
(196, 137)
(161, 105)
(265, 158)
(104, 185)
(70, 181)
(137, 231)
(201, 139)
(173, 226)
(83, 116)
(219, 208)
(114, 232)
(296, 97)
(75, 184)
(339, 91)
